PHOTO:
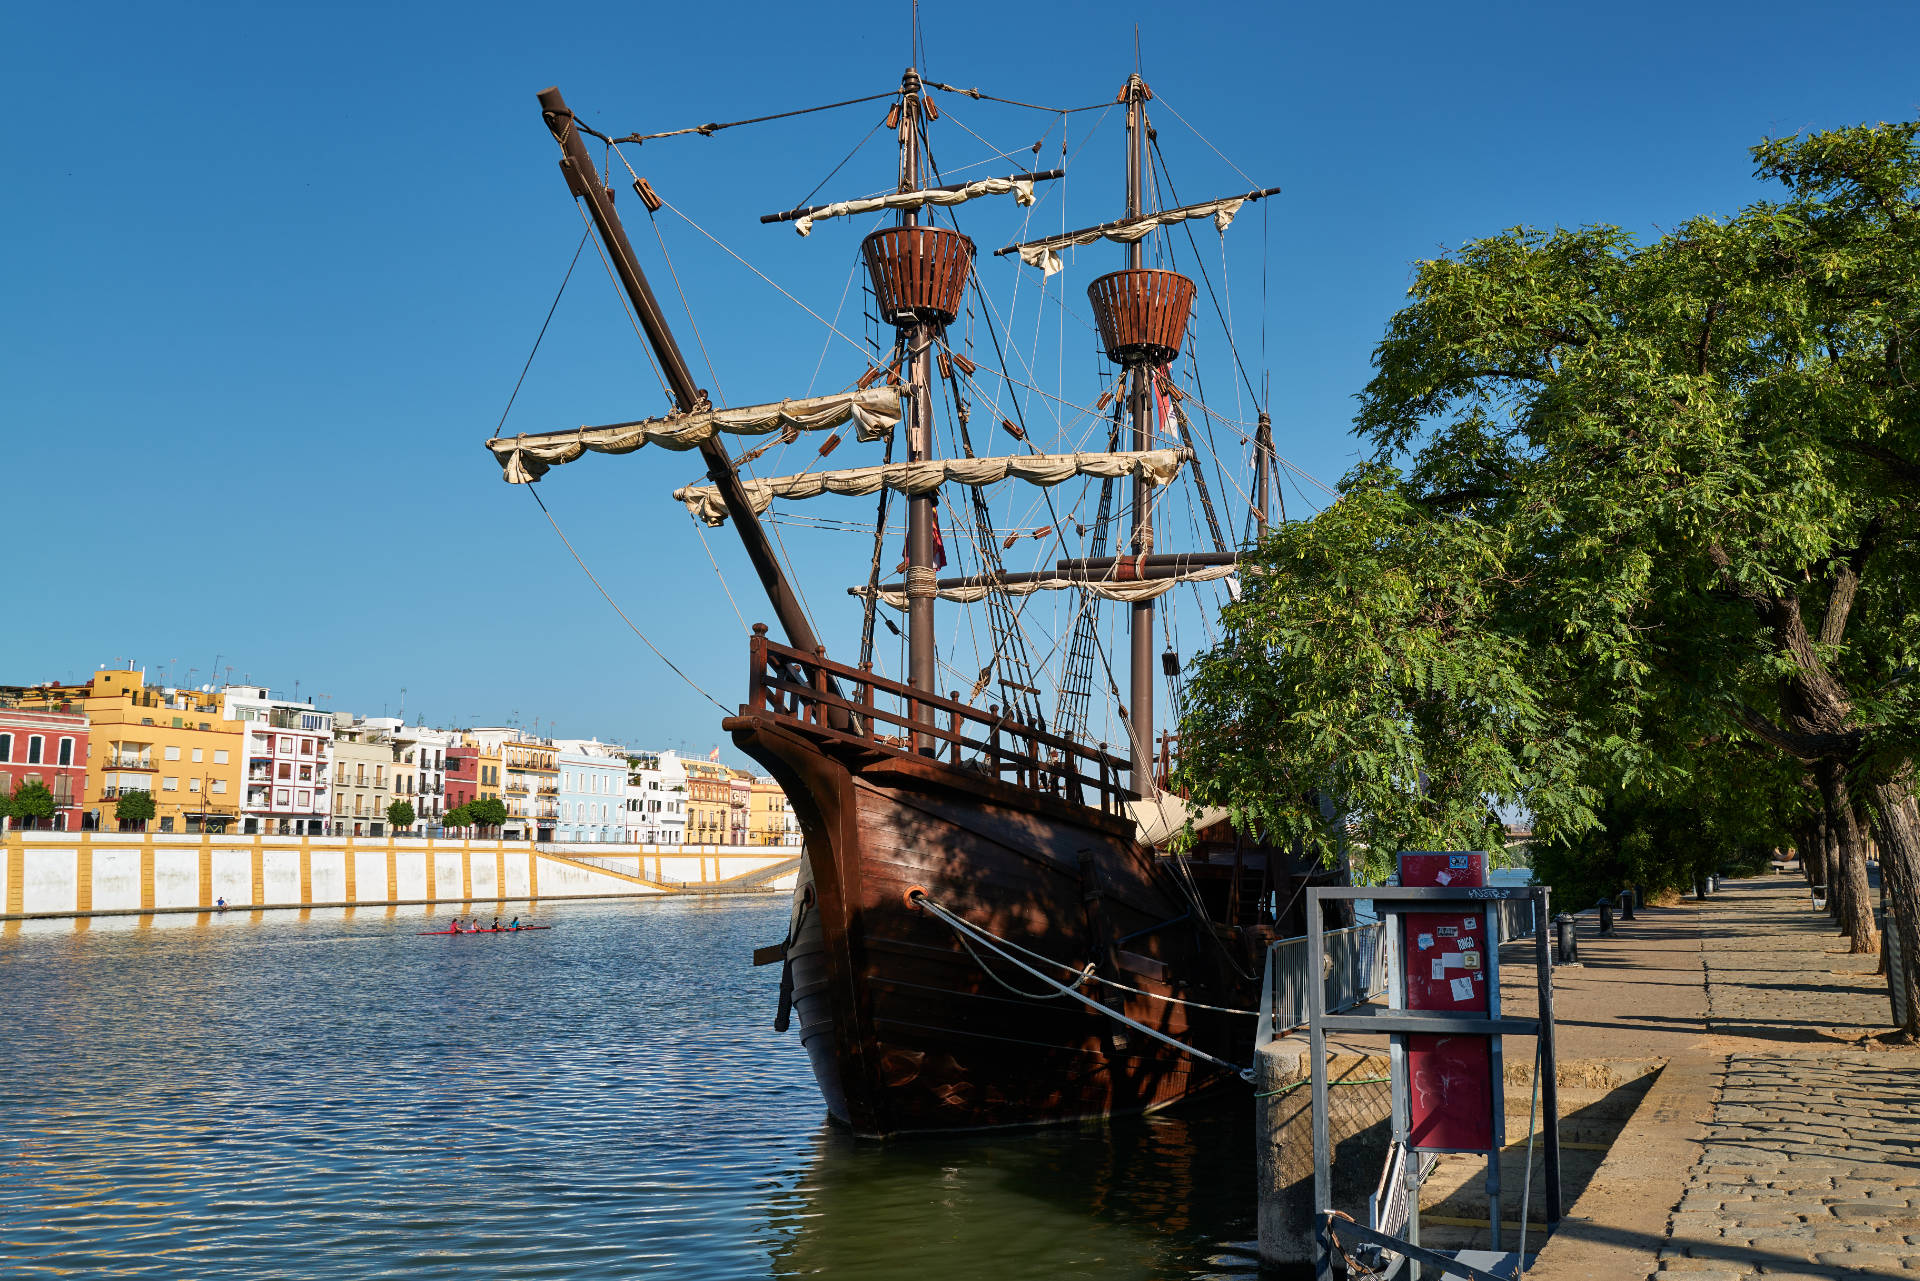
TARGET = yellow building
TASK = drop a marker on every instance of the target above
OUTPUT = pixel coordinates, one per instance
(709, 802)
(772, 820)
(172, 743)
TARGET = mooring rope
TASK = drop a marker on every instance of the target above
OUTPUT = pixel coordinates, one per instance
(993, 944)
(1156, 996)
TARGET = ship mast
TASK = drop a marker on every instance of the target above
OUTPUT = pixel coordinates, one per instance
(584, 181)
(1140, 622)
(921, 669)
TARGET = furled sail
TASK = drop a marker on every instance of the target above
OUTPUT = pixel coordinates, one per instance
(1105, 589)
(525, 458)
(1045, 253)
(1157, 466)
(1021, 188)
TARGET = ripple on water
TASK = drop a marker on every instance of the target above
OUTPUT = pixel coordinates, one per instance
(328, 1095)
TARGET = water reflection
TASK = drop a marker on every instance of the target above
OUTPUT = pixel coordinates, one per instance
(325, 1094)
(1147, 1197)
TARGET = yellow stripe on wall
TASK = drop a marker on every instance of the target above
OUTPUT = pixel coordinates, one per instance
(16, 878)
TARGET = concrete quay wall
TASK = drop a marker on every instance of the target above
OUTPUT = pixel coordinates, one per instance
(105, 873)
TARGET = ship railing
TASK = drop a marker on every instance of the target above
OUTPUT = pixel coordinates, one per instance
(855, 705)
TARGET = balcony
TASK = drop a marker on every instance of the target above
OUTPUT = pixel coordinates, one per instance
(129, 762)
(549, 789)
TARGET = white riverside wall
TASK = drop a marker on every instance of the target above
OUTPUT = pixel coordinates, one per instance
(104, 873)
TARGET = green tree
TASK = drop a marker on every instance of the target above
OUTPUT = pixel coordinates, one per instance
(1690, 471)
(134, 810)
(33, 804)
(6, 808)
(1367, 663)
(458, 816)
(488, 812)
(1706, 451)
(401, 815)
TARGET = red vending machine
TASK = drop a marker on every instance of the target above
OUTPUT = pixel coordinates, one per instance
(1451, 964)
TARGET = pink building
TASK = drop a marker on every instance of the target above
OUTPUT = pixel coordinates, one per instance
(49, 748)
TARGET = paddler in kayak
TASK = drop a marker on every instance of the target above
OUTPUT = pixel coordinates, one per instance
(514, 924)
(496, 925)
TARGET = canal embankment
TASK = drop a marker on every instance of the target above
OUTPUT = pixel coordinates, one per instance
(56, 874)
(1731, 1107)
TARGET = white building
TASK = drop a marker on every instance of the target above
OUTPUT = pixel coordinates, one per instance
(656, 796)
(420, 773)
(288, 749)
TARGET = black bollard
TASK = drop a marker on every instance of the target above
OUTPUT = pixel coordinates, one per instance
(1566, 940)
(1700, 887)
(1626, 904)
(1606, 917)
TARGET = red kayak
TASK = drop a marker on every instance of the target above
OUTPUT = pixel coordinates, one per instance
(504, 929)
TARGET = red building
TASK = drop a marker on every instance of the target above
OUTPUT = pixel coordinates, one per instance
(463, 776)
(49, 748)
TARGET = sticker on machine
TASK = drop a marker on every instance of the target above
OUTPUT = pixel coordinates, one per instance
(1462, 989)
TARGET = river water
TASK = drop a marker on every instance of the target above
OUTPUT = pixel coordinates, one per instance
(324, 1094)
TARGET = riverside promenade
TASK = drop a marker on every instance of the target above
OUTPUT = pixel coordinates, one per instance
(1782, 1138)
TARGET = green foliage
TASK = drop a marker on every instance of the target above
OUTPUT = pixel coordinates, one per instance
(488, 811)
(1364, 662)
(401, 815)
(6, 805)
(33, 802)
(1728, 815)
(458, 816)
(134, 807)
(1639, 515)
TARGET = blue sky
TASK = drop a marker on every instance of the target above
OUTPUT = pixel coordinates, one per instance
(271, 271)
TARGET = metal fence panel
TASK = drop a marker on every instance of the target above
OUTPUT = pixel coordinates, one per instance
(1355, 970)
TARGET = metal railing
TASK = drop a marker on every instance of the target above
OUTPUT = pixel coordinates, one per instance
(1355, 975)
(1355, 972)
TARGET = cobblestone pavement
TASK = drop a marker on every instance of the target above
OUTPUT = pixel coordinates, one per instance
(1811, 1160)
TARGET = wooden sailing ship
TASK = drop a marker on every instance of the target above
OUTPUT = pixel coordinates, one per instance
(990, 927)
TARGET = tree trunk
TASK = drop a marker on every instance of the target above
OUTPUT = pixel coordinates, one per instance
(1856, 919)
(1830, 863)
(1897, 826)
(1812, 849)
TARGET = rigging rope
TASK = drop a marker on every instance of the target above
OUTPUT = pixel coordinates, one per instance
(542, 334)
(535, 492)
(1076, 692)
(870, 608)
(626, 304)
(778, 287)
(987, 940)
(977, 95)
(708, 130)
(1087, 975)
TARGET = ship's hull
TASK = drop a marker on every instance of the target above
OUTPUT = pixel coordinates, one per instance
(910, 1032)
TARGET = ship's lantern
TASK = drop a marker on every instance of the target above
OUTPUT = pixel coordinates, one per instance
(919, 273)
(1142, 314)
